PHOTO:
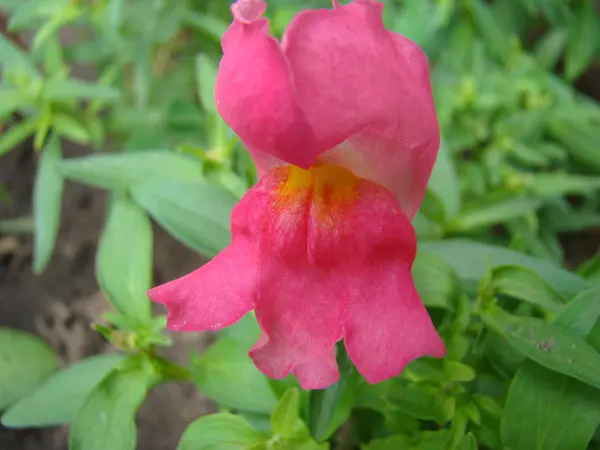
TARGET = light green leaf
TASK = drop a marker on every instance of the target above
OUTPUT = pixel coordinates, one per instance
(209, 25)
(74, 89)
(10, 100)
(468, 443)
(471, 260)
(583, 41)
(222, 432)
(196, 214)
(524, 284)
(17, 134)
(47, 198)
(106, 420)
(285, 420)
(496, 39)
(580, 138)
(124, 258)
(26, 362)
(581, 314)
(435, 281)
(492, 213)
(70, 128)
(57, 400)
(13, 57)
(226, 374)
(121, 171)
(206, 74)
(557, 184)
(396, 442)
(550, 345)
(550, 48)
(444, 182)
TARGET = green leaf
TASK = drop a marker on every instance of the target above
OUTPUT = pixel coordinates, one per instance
(196, 214)
(12, 57)
(558, 184)
(330, 408)
(423, 401)
(471, 260)
(222, 432)
(285, 420)
(57, 400)
(226, 374)
(124, 258)
(524, 284)
(47, 197)
(121, 171)
(17, 134)
(70, 128)
(206, 74)
(438, 294)
(209, 25)
(583, 41)
(550, 345)
(550, 48)
(495, 38)
(549, 410)
(10, 100)
(580, 138)
(106, 420)
(468, 443)
(492, 213)
(26, 362)
(444, 182)
(397, 442)
(74, 89)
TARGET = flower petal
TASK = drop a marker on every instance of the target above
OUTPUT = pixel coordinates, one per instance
(220, 292)
(385, 323)
(254, 91)
(366, 87)
(214, 296)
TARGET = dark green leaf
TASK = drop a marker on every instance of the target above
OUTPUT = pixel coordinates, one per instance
(57, 400)
(222, 432)
(423, 401)
(121, 171)
(550, 48)
(468, 443)
(472, 259)
(524, 284)
(547, 410)
(495, 38)
(550, 345)
(226, 374)
(583, 40)
(47, 198)
(26, 361)
(397, 442)
(106, 420)
(196, 214)
(124, 258)
(580, 138)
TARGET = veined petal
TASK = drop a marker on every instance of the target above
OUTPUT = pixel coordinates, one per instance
(386, 325)
(254, 90)
(365, 91)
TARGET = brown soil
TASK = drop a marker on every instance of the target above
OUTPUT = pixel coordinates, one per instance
(60, 304)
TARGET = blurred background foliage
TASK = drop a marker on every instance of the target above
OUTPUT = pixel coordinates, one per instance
(514, 83)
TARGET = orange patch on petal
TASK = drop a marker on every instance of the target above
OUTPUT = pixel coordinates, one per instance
(328, 191)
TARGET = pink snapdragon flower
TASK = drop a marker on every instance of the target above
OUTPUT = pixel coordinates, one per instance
(340, 121)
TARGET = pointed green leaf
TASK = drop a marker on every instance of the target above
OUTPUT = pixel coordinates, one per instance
(17, 134)
(47, 199)
(121, 171)
(74, 89)
(124, 258)
(57, 400)
(196, 214)
(106, 420)
(583, 41)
